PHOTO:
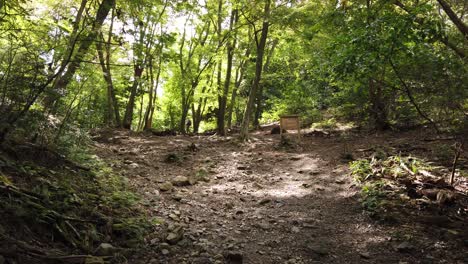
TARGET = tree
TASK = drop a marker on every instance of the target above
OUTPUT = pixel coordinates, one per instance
(261, 42)
(65, 78)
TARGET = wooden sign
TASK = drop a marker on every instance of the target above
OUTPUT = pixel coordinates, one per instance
(290, 122)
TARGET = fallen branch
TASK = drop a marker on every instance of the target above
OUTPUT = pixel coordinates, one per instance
(438, 139)
(455, 161)
(17, 191)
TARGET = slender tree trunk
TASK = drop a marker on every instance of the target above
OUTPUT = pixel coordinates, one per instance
(238, 81)
(244, 133)
(111, 95)
(138, 73)
(186, 102)
(454, 18)
(222, 98)
(140, 112)
(149, 122)
(128, 118)
(112, 104)
(259, 101)
(65, 79)
(109, 112)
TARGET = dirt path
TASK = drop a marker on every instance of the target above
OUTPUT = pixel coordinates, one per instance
(252, 202)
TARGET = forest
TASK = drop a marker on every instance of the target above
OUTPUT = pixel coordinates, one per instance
(148, 131)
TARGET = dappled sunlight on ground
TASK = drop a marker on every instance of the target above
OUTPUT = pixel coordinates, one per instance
(272, 203)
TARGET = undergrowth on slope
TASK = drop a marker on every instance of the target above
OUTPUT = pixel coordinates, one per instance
(60, 205)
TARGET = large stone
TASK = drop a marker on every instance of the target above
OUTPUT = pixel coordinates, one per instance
(105, 249)
(180, 181)
(166, 187)
(264, 201)
(173, 237)
(318, 249)
(404, 247)
(234, 257)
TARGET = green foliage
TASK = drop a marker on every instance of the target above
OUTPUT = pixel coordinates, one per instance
(361, 170)
(330, 123)
(372, 196)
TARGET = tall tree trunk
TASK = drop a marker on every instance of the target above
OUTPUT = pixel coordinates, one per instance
(187, 98)
(66, 78)
(197, 113)
(238, 81)
(138, 73)
(222, 98)
(104, 61)
(140, 110)
(259, 100)
(149, 120)
(108, 79)
(128, 118)
(150, 107)
(244, 133)
(454, 18)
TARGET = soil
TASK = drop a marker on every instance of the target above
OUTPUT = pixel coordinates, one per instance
(263, 202)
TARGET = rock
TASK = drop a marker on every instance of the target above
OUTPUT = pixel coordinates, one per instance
(164, 246)
(173, 238)
(202, 260)
(105, 249)
(180, 181)
(133, 165)
(242, 167)
(193, 181)
(233, 257)
(365, 255)
(165, 252)
(263, 225)
(276, 130)
(177, 197)
(339, 181)
(166, 187)
(174, 217)
(295, 229)
(404, 247)
(295, 158)
(318, 249)
(264, 201)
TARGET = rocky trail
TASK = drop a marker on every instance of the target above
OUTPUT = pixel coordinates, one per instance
(221, 201)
